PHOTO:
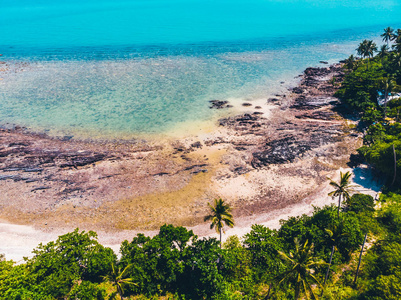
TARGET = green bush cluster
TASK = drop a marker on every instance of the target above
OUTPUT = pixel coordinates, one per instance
(176, 262)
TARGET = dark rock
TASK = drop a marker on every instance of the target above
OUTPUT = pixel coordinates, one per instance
(6, 153)
(81, 160)
(161, 174)
(311, 102)
(199, 171)
(240, 148)
(67, 137)
(241, 170)
(40, 188)
(33, 170)
(280, 152)
(246, 117)
(246, 104)
(195, 166)
(13, 177)
(15, 169)
(218, 104)
(224, 121)
(196, 145)
(258, 107)
(25, 144)
(297, 90)
(316, 72)
(32, 180)
(320, 115)
(70, 190)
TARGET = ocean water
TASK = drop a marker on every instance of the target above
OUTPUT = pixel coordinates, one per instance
(120, 69)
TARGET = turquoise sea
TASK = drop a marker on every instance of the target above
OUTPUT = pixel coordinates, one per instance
(124, 68)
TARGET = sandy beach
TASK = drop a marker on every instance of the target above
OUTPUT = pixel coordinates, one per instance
(19, 240)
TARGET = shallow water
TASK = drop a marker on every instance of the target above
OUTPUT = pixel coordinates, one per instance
(123, 68)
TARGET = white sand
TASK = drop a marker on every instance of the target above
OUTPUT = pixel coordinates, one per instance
(17, 241)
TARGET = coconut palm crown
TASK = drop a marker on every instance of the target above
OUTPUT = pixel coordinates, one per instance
(220, 214)
(336, 234)
(119, 278)
(366, 49)
(383, 52)
(301, 264)
(389, 87)
(342, 189)
(388, 35)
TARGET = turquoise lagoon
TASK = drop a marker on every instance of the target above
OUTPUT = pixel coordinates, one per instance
(115, 69)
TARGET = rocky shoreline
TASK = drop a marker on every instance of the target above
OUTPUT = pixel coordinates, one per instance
(257, 163)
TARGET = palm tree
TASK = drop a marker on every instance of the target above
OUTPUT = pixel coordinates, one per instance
(366, 49)
(397, 40)
(397, 36)
(361, 50)
(395, 59)
(350, 62)
(300, 273)
(342, 189)
(220, 213)
(118, 278)
(397, 46)
(388, 88)
(383, 52)
(371, 48)
(336, 234)
(388, 35)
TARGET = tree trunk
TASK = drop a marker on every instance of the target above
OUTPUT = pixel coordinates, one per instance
(268, 292)
(395, 165)
(220, 237)
(120, 292)
(385, 103)
(360, 258)
(328, 268)
(339, 205)
(297, 291)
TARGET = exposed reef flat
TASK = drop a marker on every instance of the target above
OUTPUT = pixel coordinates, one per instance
(258, 163)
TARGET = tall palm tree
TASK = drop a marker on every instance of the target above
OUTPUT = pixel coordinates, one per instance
(366, 49)
(361, 50)
(342, 189)
(300, 273)
(397, 40)
(397, 46)
(395, 61)
(118, 278)
(383, 52)
(389, 86)
(388, 35)
(336, 234)
(220, 214)
(397, 36)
